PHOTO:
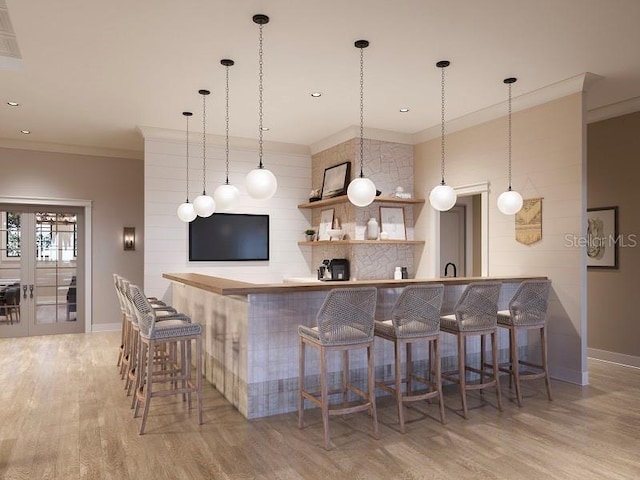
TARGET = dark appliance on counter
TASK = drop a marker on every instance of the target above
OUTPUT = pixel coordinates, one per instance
(339, 268)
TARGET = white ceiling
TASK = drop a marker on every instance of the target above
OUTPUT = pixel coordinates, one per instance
(92, 71)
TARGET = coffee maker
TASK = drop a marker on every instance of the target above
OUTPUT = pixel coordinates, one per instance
(335, 270)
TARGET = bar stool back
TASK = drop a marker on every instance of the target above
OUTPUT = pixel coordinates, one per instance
(415, 318)
(345, 322)
(475, 313)
(527, 311)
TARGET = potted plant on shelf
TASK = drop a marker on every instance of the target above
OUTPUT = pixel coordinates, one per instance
(311, 234)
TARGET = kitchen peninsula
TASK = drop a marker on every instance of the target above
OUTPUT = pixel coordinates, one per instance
(251, 339)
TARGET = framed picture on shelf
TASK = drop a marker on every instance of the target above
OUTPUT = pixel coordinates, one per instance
(326, 221)
(335, 180)
(602, 237)
(392, 222)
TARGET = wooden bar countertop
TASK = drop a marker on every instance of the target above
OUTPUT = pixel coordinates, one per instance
(226, 286)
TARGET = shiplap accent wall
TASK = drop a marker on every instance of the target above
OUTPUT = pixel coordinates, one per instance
(549, 162)
(166, 248)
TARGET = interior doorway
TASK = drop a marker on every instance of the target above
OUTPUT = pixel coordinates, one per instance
(461, 235)
(44, 265)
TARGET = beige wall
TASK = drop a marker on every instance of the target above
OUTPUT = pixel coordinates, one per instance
(548, 161)
(115, 187)
(613, 172)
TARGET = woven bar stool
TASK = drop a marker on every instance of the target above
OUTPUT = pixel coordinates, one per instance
(133, 344)
(475, 313)
(415, 318)
(345, 322)
(121, 286)
(173, 370)
(527, 311)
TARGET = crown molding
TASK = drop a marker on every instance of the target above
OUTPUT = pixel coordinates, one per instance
(612, 110)
(239, 143)
(569, 86)
(72, 149)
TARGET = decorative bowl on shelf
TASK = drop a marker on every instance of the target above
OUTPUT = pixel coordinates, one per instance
(335, 233)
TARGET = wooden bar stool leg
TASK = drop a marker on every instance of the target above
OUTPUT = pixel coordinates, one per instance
(483, 347)
(139, 385)
(462, 372)
(515, 362)
(437, 374)
(198, 376)
(398, 383)
(345, 376)
(147, 374)
(409, 367)
(496, 372)
(545, 365)
(301, 351)
(324, 397)
(372, 390)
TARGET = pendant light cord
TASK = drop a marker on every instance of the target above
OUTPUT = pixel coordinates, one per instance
(226, 119)
(361, 112)
(260, 90)
(204, 144)
(509, 155)
(442, 150)
(187, 116)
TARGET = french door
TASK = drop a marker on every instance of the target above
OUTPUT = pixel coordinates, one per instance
(41, 270)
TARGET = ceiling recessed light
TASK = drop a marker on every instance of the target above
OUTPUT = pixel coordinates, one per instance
(26, 132)
(265, 129)
(13, 104)
(404, 110)
(316, 94)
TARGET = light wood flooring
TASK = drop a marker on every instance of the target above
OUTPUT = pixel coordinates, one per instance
(64, 415)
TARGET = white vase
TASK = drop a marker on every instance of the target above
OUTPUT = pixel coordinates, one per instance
(372, 229)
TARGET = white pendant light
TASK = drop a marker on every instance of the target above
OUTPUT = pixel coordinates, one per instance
(442, 197)
(510, 202)
(203, 204)
(186, 212)
(260, 183)
(226, 195)
(361, 191)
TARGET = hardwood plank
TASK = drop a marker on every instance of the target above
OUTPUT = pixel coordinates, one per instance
(65, 415)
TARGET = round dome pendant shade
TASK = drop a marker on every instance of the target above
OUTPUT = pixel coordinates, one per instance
(261, 184)
(204, 205)
(361, 192)
(510, 202)
(443, 197)
(186, 212)
(226, 196)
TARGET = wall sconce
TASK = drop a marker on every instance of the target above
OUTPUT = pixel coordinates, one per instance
(129, 238)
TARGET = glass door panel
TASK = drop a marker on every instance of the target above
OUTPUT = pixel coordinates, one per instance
(11, 274)
(40, 257)
(55, 284)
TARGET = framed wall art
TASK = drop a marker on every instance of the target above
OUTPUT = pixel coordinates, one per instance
(326, 222)
(602, 237)
(392, 222)
(335, 180)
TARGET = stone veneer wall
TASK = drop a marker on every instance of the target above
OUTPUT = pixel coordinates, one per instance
(389, 165)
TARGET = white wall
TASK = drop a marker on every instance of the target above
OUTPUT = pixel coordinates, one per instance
(166, 247)
(548, 162)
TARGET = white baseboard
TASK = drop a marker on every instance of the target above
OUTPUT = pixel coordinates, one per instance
(106, 327)
(614, 357)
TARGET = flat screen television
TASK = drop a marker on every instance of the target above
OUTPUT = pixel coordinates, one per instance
(229, 237)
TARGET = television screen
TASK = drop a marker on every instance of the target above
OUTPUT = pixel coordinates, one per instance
(229, 237)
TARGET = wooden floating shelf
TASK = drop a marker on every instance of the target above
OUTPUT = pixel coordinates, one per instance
(343, 199)
(361, 242)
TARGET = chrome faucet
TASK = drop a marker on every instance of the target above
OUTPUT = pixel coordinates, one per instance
(446, 269)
